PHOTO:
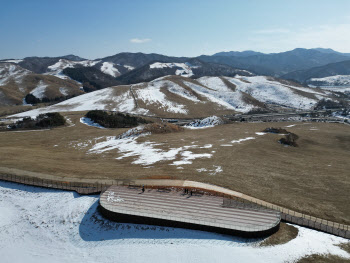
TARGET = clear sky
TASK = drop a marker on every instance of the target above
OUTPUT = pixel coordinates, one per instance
(98, 28)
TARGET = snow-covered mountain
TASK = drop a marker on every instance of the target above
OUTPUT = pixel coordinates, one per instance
(57, 68)
(178, 96)
(193, 68)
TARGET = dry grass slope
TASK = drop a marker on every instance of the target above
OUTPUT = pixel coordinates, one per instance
(312, 178)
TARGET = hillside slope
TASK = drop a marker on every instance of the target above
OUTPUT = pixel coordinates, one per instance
(182, 97)
(16, 83)
(333, 69)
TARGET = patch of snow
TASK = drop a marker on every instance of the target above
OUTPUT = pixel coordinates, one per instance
(178, 90)
(24, 102)
(89, 122)
(289, 126)
(206, 146)
(183, 68)
(243, 140)
(108, 68)
(214, 83)
(129, 67)
(64, 91)
(260, 133)
(145, 153)
(39, 91)
(218, 169)
(13, 60)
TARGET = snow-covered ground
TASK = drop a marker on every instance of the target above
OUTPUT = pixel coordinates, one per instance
(183, 69)
(152, 94)
(337, 80)
(39, 90)
(147, 153)
(89, 122)
(108, 68)
(44, 225)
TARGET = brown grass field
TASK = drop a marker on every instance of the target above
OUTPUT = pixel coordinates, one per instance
(313, 178)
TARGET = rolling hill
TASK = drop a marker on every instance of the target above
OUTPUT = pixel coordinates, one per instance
(16, 83)
(183, 97)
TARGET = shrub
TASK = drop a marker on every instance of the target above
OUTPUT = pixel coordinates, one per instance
(52, 119)
(26, 123)
(290, 139)
(114, 120)
(46, 120)
(275, 130)
(31, 99)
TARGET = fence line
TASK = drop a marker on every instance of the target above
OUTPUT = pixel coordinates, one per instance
(287, 215)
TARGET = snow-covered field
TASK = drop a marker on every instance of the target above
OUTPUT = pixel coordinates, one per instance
(44, 225)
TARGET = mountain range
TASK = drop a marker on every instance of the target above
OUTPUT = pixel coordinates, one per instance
(76, 75)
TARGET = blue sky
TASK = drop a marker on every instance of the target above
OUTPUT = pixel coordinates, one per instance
(98, 28)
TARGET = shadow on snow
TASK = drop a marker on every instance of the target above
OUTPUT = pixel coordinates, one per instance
(94, 227)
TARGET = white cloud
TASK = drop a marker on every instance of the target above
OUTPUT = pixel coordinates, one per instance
(140, 40)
